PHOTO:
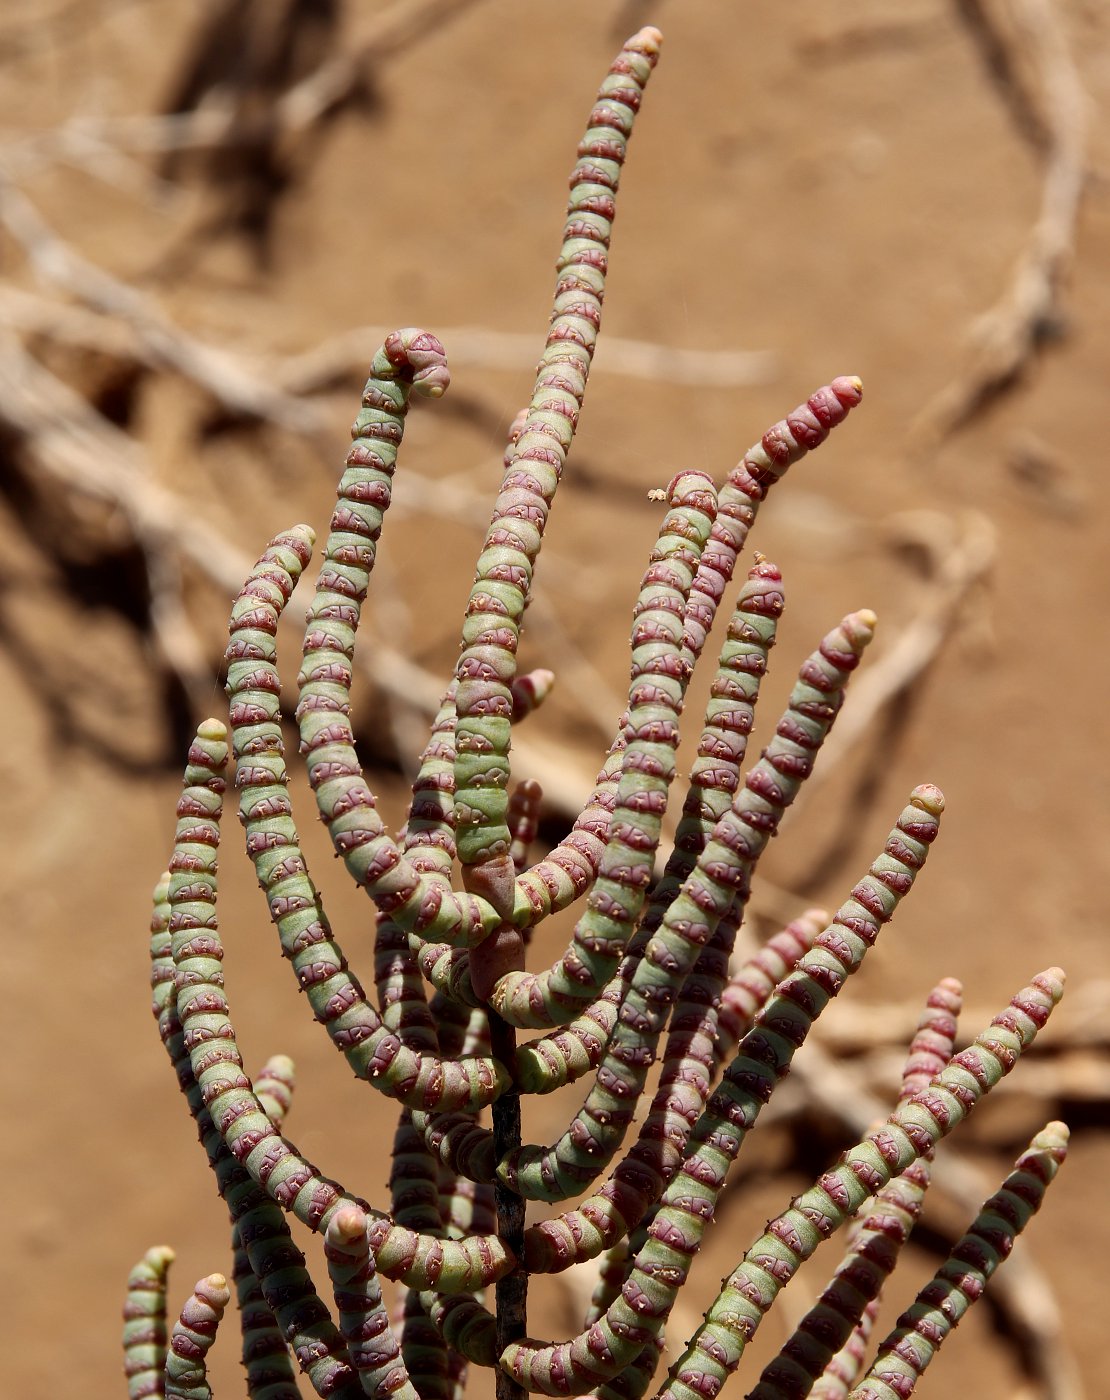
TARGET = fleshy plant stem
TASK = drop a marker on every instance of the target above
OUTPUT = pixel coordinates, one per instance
(511, 1292)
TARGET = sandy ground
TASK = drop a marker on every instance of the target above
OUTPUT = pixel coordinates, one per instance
(840, 191)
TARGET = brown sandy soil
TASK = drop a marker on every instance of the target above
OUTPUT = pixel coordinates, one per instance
(843, 189)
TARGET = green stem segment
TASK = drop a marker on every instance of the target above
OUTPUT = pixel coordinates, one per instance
(272, 1161)
(144, 1325)
(193, 1335)
(415, 1076)
(534, 464)
(961, 1279)
(662, 1265)
(511, 1291)
(911, 1131)
(878, 1234)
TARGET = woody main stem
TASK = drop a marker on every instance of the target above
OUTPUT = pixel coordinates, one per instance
(511, 1293)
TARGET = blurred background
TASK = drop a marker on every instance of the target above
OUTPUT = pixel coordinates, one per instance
(210, 215)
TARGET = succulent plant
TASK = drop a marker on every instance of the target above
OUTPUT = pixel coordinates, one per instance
(648, 977)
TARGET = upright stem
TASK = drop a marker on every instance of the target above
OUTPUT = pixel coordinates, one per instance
(511, 1293)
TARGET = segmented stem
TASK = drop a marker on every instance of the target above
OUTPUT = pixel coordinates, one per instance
(192, 1337)
(730, 713)
(662, 1265)
(257, 1222)
(845, 1367)
(549, 1063)
(363, 1320)
(911, 1131)
(409, 359)
(748, 988)
(534, 464)
(265, 1356)
(566, 873)
(961, 1279)
(746, 487)
(878, 1233)
(414, 1184)
(718, 886)
(144, 1324)
(738, 501)
(272, 1160)
(416, 1076)
(656, 689)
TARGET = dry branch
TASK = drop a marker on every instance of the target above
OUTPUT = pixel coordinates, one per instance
(960, 558)
(1006, 338)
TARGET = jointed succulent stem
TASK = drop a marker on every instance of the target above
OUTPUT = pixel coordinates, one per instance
(909, 1133)
(487, 666)
(960, 1280)
(878, 1233)
(144, 1324)
(645, 980)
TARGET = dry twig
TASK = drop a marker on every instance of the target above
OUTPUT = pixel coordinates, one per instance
(958, 564)
(1006, 338)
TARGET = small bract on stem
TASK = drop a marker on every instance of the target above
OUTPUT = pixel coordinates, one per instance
(647, 977)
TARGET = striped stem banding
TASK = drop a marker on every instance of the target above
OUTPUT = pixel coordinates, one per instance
(414, 1186)
(758, 977)
(934, 1039)
(257, 1223)
(878, 1233)
(738, 500)
(843, 1369)
(409, 359)
(363, 1320)
(523, 820)
(192, 1337)
(466, 1326)
(961, 1279)
(415, 1075)
(463, 1326)
(271, 1160)
(426, 1195)
(718, 886)
(460, 1143)
(551, 1062)
(633, 1381)
(265, 1356)
(655, 697)
(741, 999)
(748, 988)
(467, 1208)
(428, 840)
(405, 1014)
(747, 485)
(534, 464)
(568, 871)
(716, 773)
(274, 1086)
(662, 1265)
(144, 1324)
(911, 1131)
(447, 969)
(428, 837)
